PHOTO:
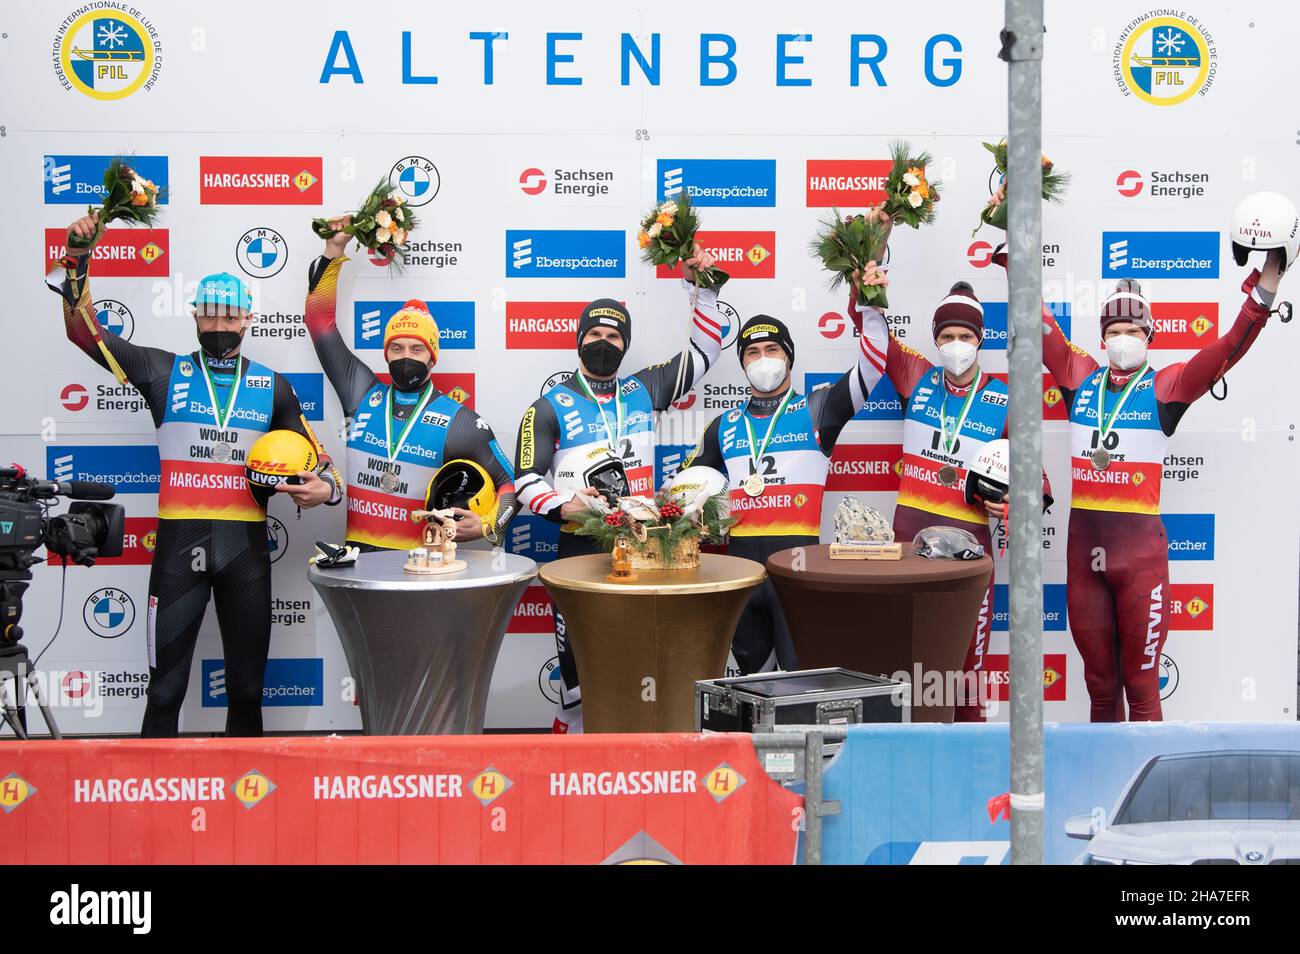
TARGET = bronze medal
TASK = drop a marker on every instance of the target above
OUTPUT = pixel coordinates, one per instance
(1100, 458)
(948, 475)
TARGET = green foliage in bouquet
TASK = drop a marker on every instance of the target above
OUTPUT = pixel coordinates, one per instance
(128, 197)
(667, 237)
(710, 523)
(382, 225)
(995, 212)
(845, 245)
(910, 197)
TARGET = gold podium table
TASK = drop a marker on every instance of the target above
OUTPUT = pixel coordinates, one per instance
(641, 646)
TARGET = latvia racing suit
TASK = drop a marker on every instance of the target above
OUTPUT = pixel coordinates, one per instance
(794, 466)
(212, 535)
(445, 430)
(563, 440)
(1117, 556)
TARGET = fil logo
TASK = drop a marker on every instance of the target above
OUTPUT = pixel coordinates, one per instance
(63, 467)
(60, 178)
(251, 788)
(672, 182)
(522, 252)
(369, 324)
(180, 395)
(1118, 253)
(1129, 183)
(532, 181)
(489, 785)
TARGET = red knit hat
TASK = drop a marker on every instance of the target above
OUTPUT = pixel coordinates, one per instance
(1127, 303)
(961, 307)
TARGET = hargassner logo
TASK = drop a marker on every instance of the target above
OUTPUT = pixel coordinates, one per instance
(79, 180)
(1159, 254)
(565, 253)
(720, 182)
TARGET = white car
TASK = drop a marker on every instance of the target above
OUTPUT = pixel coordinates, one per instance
(1231, 807)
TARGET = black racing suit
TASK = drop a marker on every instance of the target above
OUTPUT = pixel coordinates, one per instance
(468, 436)
(194, 559)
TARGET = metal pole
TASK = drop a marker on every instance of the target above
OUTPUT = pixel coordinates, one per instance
(1022, 47)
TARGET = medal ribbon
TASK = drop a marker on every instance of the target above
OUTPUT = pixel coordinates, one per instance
(771, 426)
(221, 413)
(613, 436)
(415, 416)
(1105, 426)
(950, 438)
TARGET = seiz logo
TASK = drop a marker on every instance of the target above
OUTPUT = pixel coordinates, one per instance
(532, 181)
(260, 180)
(565, 253)
(995, 322)
(120, 253)
(845, 183)
(1191, 607)
(78, 180)
(258, 382)
(864, 467)
(130, 468)
(1054, 616)
(740, 183)
(1185, 324)
(534, 613)
(1054, 673)
(436, 418)
(1129, 183)
(739, 254)
(1159, 254)
(455, 321)
(1191, 535)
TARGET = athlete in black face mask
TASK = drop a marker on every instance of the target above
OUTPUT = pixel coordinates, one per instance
(401, 434)
(209, 407)
(594, 432)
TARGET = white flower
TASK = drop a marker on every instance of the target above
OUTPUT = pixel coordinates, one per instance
(396, 196)
(399, 215)
(137, 185)
(670, 207)
(654, 230)
(915, 200)
(910, 179)
(383, 235)
(383, 219)
(399, 236)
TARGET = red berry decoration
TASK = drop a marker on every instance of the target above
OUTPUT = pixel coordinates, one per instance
(614, 519)
(670, 511)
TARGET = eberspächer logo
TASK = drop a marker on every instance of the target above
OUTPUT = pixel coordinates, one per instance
(1165, 60)
(107, 52)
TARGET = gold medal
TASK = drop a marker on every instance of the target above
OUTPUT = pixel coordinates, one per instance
(948, 475)
(1101, 458)
(221, 452)
(388, 481)
(754, 485)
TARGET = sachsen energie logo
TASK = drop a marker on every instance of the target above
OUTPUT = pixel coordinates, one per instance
(1159, 255)
(107, 50)
(739, 254)
(79, 180)
(121, 253)
(455, 320)
(1164, 60)
(260, 180)
(845, 183)
(740, 183)
(565, 253)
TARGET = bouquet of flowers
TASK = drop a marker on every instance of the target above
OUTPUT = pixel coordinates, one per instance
(667, 237)
(845, 245)
(382, 225)
(994, 212)
(665, 522)
(909, 196)
(128, 197)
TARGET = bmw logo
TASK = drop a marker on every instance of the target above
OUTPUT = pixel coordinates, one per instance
(262, 252)
(548, 680)
(730, 324)
(115, 317)
(416, 178)
(277, 537)
(108, 612)
(1254, 857)
(1168, 676)
(555, 379)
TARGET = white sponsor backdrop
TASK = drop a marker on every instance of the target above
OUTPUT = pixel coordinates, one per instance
(245, 79)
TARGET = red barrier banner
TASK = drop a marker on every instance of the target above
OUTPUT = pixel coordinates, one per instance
(530, 799)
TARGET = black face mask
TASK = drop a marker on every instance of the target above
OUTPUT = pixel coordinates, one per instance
(408, 374)
(219, 344)
(600, 357)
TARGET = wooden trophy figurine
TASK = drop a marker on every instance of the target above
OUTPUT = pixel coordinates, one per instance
(437, 550)
(622, 564)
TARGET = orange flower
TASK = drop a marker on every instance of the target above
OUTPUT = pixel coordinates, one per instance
(923, 189)
(664, 219)
(139, 199)
(918, 171)
(642, 239)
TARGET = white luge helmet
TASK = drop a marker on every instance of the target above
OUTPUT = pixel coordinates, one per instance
(1263, 221)
(989, 474)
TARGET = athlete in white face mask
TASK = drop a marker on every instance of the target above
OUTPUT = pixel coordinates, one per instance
(775, 449)
(950, 413)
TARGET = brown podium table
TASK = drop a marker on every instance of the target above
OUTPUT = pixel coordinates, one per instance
(882, 616)
(641, 646)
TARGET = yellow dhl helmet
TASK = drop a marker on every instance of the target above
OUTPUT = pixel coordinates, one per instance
(275, 458)
(464, 484)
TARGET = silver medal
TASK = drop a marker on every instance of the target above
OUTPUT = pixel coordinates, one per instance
(1101, 458)
(388, 481)
(221, 452)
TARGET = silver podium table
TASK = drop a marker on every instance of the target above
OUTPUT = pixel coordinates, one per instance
(422, 648)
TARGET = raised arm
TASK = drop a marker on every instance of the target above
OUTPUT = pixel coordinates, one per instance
(903, 366)
(834, 406)
(350, 377)
(661, 380)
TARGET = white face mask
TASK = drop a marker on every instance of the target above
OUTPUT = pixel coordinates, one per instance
(957, 356)
(766, 374)
(1126, 352)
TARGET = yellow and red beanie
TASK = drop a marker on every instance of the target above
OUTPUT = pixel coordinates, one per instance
(413, 320)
